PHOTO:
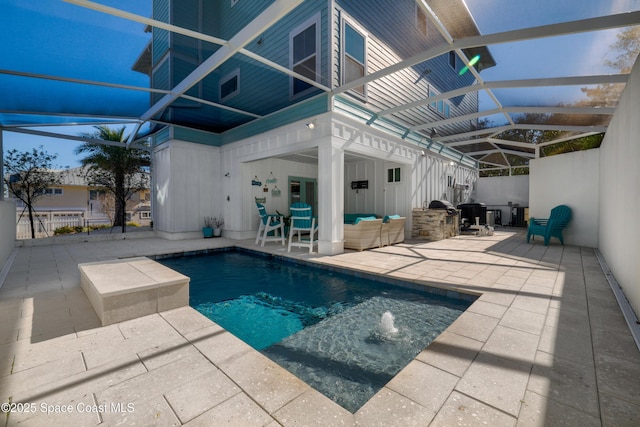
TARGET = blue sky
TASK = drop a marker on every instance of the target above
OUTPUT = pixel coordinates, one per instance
(82, 43)
(61, 39)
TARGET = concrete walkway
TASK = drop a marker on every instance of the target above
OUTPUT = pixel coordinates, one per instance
(544, 344)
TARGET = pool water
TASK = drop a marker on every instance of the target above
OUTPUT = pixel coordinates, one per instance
(328, 328)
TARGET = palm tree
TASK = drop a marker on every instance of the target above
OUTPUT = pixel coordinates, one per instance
(114, 167)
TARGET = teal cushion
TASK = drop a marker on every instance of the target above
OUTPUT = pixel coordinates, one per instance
(350, 218)
(366, 218)
(388, 217)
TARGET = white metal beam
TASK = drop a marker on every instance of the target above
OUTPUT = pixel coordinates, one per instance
(552, 30)
(507, 84)
(76, 138)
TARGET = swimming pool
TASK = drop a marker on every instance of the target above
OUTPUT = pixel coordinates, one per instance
(344, 335)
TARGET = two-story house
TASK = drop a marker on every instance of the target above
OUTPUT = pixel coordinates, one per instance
(74, 202)
(275, 101)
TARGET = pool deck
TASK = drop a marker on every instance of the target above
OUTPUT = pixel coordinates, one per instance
(544, 344)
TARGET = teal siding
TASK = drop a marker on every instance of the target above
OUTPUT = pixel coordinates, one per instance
(255, 77)
(299, 111)
(160, 37)
(193, 135)
(160, 80)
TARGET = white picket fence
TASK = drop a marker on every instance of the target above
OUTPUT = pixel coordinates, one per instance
(45, 223)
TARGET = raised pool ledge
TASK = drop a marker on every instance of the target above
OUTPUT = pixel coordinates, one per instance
(128, 288)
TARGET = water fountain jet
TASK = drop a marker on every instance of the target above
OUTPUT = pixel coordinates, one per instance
(387, 328)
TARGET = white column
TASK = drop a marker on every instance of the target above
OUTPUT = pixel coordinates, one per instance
(330, 196)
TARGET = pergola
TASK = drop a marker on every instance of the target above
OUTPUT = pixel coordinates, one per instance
(29, 91)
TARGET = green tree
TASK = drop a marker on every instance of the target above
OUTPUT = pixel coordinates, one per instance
(27, 177)
(627, 46)
(121, 171)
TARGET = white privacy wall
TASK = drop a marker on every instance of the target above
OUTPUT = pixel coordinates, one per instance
(186, 181)
(570, 179)
(496, 192)
(619, 235)
(7, 230)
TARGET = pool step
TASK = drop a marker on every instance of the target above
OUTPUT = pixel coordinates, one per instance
(125, 289)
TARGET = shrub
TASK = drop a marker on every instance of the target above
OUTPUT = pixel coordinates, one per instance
(63, 230)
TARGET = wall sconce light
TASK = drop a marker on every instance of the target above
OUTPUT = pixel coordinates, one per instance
(228, 174)
(423, 153)
(434, 133)
(311, 125)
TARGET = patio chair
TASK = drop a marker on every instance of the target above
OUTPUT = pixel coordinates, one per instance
(303, 224)
(552, 226)
(392, 230)
(269, 223)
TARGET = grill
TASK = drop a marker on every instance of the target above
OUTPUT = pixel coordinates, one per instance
(443, 204)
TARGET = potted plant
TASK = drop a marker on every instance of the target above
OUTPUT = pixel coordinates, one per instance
(217, 226)
(207, 230)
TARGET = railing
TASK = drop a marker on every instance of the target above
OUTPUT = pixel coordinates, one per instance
(45, 225)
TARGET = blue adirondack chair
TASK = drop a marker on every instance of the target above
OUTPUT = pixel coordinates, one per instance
(269, 223)
(303, 226)
(552, 226)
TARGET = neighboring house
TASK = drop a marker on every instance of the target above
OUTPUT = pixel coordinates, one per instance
(73, 202)
(246, 121)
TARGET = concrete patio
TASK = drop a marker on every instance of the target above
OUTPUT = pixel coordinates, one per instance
(544, 344)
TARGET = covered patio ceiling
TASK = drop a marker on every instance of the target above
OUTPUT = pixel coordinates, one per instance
(94, 81)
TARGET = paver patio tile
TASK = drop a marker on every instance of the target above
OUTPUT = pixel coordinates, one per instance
(451, 353)
(388, 405)
(472, 325)
(38, 377)
(536, 301)
(269, 385)
(168, 352)
(618, 411)
(568, 344)
(312, 408)
(217, 344)
(201, 394)
(615, 344)
(185, 319)
(240, 410)
(461, 410)
(523, 320)
(540, 411)
(157, 382)
(496, 381)
(151, 411)
(487, 309)
(618, 377)
(512, 344)
(565, 381)
(424, 384)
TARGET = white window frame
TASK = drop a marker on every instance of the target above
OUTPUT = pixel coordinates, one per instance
(297, 30)
(53, 191)
(442, 107)
(358, 29)
(145, 214)
(235, 73)
(396, 170)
